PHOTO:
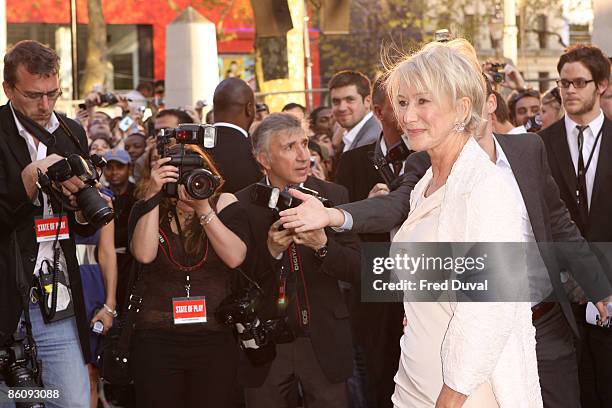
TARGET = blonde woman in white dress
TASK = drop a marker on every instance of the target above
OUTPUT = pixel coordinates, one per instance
(463, 354)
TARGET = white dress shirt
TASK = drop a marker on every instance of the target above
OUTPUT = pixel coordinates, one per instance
(45, 249)
(231, 125)
(539, 281)
(517, 130)
(589, 140)
(349, 137)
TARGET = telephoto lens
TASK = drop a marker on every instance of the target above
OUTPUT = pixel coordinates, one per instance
(94, 207)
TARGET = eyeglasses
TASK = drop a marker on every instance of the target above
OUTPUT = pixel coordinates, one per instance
(578, 83)
(37, 96)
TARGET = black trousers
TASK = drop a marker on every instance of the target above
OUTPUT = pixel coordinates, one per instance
(176, 370)
(594, 362)
(295, 363)
(557, 365)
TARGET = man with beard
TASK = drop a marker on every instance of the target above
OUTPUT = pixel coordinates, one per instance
(579, 150)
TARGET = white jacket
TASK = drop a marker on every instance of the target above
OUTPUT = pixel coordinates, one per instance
(493, 341)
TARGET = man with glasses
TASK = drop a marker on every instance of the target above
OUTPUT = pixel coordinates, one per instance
(31, 82)
(579, 148)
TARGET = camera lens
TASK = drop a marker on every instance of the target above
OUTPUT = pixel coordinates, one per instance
(94, 207)
(200, 184)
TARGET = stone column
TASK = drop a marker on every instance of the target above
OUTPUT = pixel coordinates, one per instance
(192, 68)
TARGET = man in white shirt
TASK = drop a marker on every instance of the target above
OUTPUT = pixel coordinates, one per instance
(579, 148)
(350, 93)
(31, 82)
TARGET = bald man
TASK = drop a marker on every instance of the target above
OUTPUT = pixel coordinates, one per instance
(234, 111)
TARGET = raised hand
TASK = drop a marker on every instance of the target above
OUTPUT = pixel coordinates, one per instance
(160, 175)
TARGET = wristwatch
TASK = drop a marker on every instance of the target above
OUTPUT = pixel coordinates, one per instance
(321, 252)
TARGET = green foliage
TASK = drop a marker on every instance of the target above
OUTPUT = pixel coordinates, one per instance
(380, 31)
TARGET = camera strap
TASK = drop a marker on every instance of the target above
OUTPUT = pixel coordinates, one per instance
(292, 264)
(23, 286)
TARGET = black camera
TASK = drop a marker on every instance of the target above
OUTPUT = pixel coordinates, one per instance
(108, 98)
(20, 368)
(194, 174)
(497, 72)
(534, 123)
(257, 338)
(274, 199)
(397, 154)
(94, 207)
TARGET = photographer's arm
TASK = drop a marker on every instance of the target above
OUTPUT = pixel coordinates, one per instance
(107, 258)
(144, 239)
(228, 246)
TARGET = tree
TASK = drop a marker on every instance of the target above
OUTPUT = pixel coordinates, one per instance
(97, 66)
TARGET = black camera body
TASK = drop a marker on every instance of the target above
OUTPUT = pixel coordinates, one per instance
(274, 199)
(497, 72)
(534, 124)
(194, 173)
(19, 367)
(398, 153)
(257, 338)
(94, 207)
(108, 98)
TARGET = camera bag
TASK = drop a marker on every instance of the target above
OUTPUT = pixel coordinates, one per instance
(114, 349)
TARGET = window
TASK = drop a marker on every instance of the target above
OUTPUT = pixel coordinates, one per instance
(543, 81)
(543, 31)
(579, 34)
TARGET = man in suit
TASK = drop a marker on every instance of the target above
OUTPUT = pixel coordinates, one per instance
(351, 100)
(234, 106)
(31, 82)
(579, 150)
(357, 173)
(299, 274)
(545, 219)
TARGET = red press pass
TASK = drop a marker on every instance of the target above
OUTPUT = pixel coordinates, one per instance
(46, 228)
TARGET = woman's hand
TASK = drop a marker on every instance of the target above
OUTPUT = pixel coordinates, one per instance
(161, 175)
(450, 398)
(201, 207)
(105, 318)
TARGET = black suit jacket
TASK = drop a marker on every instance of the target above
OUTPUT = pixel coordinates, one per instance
(329, 327)
(356, 172)
(564, 173)
(17, 214)
(233, 156)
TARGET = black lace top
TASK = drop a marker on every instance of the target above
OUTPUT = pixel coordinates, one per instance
(163, 280)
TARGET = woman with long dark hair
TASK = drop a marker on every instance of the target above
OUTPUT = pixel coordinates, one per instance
(188, 249)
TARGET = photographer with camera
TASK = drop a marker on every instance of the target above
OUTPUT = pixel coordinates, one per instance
(188, 237)
(41, 150)
(299, 276)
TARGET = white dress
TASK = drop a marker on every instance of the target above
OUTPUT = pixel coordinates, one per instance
(419, 376)
(467, 345)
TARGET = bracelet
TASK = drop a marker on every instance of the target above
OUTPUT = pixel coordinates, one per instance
(207, 218)
(110, 311)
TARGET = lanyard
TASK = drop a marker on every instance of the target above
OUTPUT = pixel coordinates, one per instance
(164, 244)
(586, 167)
(588, 163)
(295, 267)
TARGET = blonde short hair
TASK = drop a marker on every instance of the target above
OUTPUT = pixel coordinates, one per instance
(448, 70)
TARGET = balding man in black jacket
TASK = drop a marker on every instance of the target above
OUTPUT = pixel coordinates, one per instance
(234, 112)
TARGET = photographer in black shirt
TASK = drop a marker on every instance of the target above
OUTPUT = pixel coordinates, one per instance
(188, 247)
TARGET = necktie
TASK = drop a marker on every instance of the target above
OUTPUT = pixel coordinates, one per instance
(397, 167)
(581, 192)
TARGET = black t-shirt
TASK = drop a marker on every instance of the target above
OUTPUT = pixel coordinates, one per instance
(164, 281)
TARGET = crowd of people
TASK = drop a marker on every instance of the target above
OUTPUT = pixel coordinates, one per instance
(236, 267)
